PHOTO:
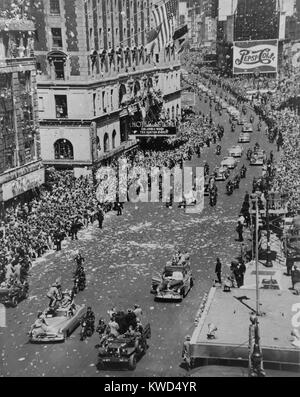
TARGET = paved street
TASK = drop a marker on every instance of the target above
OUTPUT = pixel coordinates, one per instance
(120, 261)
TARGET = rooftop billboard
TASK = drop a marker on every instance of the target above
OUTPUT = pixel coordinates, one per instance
(256, 56)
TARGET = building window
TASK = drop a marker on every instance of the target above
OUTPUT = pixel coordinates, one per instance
(38, 68)
(103, 102)
(56, 37)
(54, 7)
(63, 150)
(41, 104)
(112, 99)
(61, 106)
(94, 103)
(59, 69)
(106, 142)
(114, 136)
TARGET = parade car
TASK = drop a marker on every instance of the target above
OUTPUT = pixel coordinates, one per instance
(60, 324)
(236, 151)
(124, 349)
(244, 137)
(241, 121)
(12, 295)
(247, 127)
(223, 173)
(229, 162)
(174, 283)
(258, 158)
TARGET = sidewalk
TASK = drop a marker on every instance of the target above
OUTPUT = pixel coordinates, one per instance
(266, 274)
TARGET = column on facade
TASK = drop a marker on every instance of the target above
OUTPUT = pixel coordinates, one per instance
(2, 48)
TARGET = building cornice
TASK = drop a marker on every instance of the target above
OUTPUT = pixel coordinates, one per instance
(92, 84)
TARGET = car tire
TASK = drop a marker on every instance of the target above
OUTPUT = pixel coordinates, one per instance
(14, 301)
(132, 362)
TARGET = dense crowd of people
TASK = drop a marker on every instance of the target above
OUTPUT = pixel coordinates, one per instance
(270, 101)
(29, 230)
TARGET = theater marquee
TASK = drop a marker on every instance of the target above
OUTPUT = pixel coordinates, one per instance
(138, 130)
(259, 56)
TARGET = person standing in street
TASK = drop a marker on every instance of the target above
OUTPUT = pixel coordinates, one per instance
(186, 355)
(243, 252)
(74, 229)
(242, 271)
(239, 230)
(218, 270)
(119, 208)
(100, 217)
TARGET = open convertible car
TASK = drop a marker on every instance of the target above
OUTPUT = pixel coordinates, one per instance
(60, 324)
(124, 349)
(223, 173)
(247, 127)
(236, 151)
(244, 137)
(174, 283)
(258, 158)
(12, 295)
(229, 162)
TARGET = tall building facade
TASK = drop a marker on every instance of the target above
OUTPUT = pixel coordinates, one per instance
(190, 15)
(242, 20)
(201, 18)
(256, 20)
(21, 169)
(94, 69)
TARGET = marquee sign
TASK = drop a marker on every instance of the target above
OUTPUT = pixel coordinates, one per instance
(138, 130)
(257, 56)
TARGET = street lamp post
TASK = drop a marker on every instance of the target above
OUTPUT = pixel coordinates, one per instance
(256, 258)
(268, 262)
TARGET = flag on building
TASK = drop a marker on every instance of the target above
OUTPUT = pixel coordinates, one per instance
(180, 32)
(152, 35)
(165, 15)
(180, 38)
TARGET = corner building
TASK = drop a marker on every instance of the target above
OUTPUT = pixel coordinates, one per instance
(93, 69)
(21, 169)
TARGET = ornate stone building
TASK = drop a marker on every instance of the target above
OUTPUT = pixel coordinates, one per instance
(21, 169)
(94, 70)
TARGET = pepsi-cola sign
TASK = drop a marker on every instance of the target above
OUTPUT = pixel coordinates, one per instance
(260, 56)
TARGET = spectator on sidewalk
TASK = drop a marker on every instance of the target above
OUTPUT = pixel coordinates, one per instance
(239, 230)
(242, 270)
(218, 270)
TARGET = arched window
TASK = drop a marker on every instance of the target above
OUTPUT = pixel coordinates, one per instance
(122, 92)
(177, 110)
(57, 60)
(136, 87)
(63, 150)
(114, 135)
(150, 82)
(106, 142)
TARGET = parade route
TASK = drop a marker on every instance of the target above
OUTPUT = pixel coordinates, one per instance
(120, 261)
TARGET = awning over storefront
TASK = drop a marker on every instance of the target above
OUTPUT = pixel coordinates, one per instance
(21, 180)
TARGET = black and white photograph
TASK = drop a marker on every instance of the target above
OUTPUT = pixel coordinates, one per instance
(149, 191)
